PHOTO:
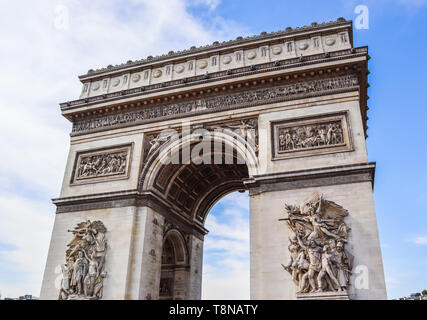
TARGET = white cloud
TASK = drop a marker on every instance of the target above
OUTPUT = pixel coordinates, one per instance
(228, 284)
(236, 228)
(212, 4)
(226, 250)
(26, 227)
(238, 200)
(419, 240)
(391, 282)
(41, 59)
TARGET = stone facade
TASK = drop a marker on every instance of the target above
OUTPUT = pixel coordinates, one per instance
(292, 103)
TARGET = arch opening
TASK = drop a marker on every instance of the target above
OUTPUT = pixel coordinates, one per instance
(174, 267)
(190, 190)
(226, 261)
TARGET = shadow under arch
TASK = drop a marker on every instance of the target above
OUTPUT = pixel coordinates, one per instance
(186, 191)
(175, 267)
(192, 189)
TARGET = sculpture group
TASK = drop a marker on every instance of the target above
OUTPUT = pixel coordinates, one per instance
(83, 273)
(309, 136)
(318, 236)
(102, 164)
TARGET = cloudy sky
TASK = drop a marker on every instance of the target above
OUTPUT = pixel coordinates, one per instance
(45, 45)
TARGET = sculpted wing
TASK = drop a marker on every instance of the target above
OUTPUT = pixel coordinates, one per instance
(331, 210)
(99, 226)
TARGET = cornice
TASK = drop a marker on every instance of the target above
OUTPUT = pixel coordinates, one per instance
(127, 198)
(267, 93)
(314, 27)
(186, 83)
(336, 175)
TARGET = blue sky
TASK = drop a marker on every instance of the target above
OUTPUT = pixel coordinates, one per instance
(40, 61)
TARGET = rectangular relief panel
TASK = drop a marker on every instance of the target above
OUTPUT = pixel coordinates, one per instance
(101, 165)
(322, 134)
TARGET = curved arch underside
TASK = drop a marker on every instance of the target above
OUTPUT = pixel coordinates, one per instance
(192, 189)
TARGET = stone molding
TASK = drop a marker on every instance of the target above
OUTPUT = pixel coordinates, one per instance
(323, 296)
(336, 175)
(129, 198)
(293, 91)
(215, 76)
(362, 172)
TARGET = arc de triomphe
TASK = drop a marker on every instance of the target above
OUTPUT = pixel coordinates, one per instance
(156, 142)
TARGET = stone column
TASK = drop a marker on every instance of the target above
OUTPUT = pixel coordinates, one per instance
(181, 280)
(196, 266)
(147, 245)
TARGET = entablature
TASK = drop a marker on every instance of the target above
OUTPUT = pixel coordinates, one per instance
(266, 47)
(301, 76)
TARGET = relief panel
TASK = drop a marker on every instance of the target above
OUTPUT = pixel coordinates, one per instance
(311, 136)
(102, 165)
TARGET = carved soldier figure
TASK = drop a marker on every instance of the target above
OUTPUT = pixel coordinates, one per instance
(246, 128)
(343, 266)
(315, 259)
(321, 136)
(122, 164)
(79, 272)
(298, 262)
(85, 171)
(156, 142)
(91, 276)
(289, 142)
(82, 239)
(327, 258)
(102, 167)
(67, 270)
(339, 135)
(329, 134)
(98, 287)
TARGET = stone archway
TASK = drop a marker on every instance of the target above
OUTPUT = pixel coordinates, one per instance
(292, 104)
(174, 268)
(190, 189)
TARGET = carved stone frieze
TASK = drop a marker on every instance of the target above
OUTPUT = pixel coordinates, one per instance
(216, 103)
(309, 136)
(155, 141)
(99, 165)
(246, 128)
(319, 261)
(83, 273)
